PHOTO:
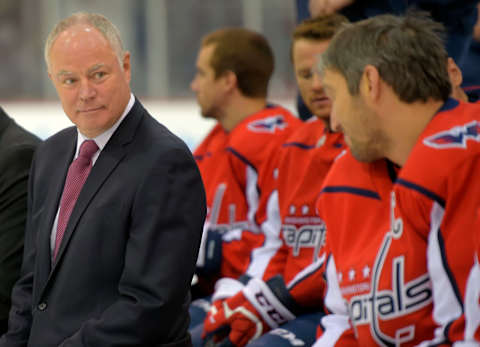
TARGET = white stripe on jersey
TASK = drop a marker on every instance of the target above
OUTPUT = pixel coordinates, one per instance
(271, 229)
(472, 302)
(251, 193)
(336, 323)
(306, 272)
(334, 301)
(446, 307)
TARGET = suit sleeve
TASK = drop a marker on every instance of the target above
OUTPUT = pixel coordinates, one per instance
(166, 225)
(15, 238)
(14, 168)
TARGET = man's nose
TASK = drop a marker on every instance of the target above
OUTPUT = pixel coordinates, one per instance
(316, 82)
(87, 91)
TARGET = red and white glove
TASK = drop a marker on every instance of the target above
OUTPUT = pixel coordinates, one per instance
(249, 314)
(224, 289)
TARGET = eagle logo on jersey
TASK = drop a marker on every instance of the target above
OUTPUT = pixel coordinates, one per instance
(268, 124)
(455, 137)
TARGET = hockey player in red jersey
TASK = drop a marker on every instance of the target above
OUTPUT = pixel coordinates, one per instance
(234, 66)
(302, 163)
(361, 191)
(416, 285)
(354, 204)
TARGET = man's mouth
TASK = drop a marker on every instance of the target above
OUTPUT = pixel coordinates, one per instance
(91, 109)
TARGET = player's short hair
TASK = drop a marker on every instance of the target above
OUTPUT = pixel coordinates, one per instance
(320, 29)
(408, 52)
(247, 54)
(97, 21)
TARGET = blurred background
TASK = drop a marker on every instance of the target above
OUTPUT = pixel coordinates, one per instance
(163, 37)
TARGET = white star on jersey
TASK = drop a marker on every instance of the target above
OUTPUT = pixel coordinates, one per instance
(351, 274)
(304, 209)
(292, 209)
(366, 271)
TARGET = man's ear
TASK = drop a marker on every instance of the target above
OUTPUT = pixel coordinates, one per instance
(126, 66)
(454, 73)
(230, 79)
(371, 82)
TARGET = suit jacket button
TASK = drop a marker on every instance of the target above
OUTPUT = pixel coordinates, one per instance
(42, 306)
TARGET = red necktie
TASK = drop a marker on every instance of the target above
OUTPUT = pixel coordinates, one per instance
(76, 177)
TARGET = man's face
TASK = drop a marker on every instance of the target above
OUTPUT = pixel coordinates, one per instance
(351, 115)
(305, 54)
(90, 82)
(207, 88)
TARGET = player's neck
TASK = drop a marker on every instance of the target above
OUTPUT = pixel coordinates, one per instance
(239, 109)
(406, 124)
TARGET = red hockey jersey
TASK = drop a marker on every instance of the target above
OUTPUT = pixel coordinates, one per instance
(371, 297)
(303, 162)
(235, 167)
(436, 199)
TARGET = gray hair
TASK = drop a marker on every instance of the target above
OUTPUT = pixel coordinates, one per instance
(97, 21)
(407, 51)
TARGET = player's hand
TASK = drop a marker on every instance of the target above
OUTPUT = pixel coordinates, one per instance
(249, 314)
(236, 317)
(215, 326)
(246, 324)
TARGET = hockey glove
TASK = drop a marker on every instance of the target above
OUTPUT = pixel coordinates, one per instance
(249, 314)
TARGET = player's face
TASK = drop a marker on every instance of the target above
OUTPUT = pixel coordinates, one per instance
(305, 54)
(354, 118)
(92, 85)
(207, 88)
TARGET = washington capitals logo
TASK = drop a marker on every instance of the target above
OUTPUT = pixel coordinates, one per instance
(455, 137)
(268, 124)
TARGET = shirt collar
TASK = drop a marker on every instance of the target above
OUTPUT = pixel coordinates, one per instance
(102, 139)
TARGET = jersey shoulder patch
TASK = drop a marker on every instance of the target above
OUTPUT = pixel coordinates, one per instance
(455, 137)
(268, 124)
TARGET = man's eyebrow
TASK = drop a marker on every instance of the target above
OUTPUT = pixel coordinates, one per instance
(63, 73)
(95, 67)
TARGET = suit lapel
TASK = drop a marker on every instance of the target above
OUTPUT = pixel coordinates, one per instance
(63, 156)
(109, 158)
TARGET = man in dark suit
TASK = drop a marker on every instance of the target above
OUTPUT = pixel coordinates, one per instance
(16, 151)
(118, 272)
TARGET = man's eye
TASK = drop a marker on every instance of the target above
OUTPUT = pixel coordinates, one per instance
(99, 74)
(68, 81)
(306, 75)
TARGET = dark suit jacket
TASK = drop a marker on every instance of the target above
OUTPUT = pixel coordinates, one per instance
(122, 274)
(16, 151)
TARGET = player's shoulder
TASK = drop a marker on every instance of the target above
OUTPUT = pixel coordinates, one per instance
(215, 138)
(352, 177)
(270, 121)
(345, 168)
(446, 147)
(455, 127)
(313, 136)
(451, 138)
(267, 128)
(307, 131)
